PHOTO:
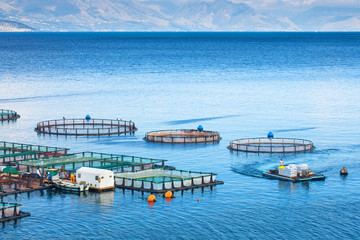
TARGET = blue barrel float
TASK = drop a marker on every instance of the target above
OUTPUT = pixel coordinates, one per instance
(88, 117)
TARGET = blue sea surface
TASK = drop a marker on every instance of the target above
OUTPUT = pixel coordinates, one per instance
(302, 85)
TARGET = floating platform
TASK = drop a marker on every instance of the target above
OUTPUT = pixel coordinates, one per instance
(271, 145)
(86, 127)
(24, 190)
(11, 151)
(163, 180)
(314, 177)
(183, 136)
(11, 211)
(72, 162)
(13, 184)
(7, 115)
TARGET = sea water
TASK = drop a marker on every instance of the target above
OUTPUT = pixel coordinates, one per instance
(301, 85)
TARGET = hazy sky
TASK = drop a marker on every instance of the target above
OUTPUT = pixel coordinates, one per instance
(294, 4)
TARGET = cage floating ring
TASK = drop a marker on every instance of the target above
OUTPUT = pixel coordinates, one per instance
(271, 145)
(182, 136)
(161, 180)
(6, 115)
(86, 127)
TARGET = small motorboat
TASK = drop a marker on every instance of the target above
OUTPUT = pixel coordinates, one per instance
(295, 175)
(72, 187)
(344, 171)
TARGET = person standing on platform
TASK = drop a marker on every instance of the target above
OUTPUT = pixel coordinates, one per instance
(281, 162)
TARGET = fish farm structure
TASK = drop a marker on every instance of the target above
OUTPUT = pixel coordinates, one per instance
(86, 127)
(6, 115)
(11, 211)
(24, 167)
(11, 151)
(16, 183)
(271, 145)
(72, 162)
(182, 136)
(161, 180)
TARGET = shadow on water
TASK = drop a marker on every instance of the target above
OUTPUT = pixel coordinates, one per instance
(178, 122)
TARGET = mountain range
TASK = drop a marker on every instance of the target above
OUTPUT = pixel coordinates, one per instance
(168, 15)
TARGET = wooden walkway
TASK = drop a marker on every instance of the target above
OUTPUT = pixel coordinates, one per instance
(31, 189)
(170, 189)
(14, 217)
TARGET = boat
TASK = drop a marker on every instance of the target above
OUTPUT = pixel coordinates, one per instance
(69, 186)
(297, 176)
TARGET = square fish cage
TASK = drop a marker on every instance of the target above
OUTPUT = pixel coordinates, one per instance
(160, 180)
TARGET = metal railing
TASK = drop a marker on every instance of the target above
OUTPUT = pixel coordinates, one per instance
(178, 179)
(9, 209)
(84, 127)
(8, 115)
(271, 145)
(182, 136)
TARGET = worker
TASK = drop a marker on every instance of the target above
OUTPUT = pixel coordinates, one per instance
(344, 171)
(38, 171)
(281, 162)
(49, 177)
(72, 178)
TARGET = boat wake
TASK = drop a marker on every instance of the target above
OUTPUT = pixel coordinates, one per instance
(247, 170)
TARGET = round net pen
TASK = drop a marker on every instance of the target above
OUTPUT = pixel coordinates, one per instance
(6, 115)
(182, 136)
(271, 145)
(86, 127)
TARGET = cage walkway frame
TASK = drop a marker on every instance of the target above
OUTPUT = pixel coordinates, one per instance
(72, 162)
(11, 151)
(7, 115)
(10, 211)
(182, 136)
(271, 145)
(179, 180)
(86, 127)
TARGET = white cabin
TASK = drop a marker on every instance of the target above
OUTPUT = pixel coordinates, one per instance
(97, 179)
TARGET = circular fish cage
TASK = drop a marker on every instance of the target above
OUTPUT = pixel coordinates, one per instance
(271, 145)
(182, 136)
(86, 127)
(6, 115)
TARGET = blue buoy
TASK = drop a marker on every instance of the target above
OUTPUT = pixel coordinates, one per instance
(200, 128)
(87, 117)
(270, 135)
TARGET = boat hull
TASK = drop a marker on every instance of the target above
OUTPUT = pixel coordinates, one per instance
(71, 187)
(284, 178)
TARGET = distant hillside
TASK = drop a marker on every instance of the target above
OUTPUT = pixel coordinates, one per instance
(170, 15)
(140, 15)
(12, 26)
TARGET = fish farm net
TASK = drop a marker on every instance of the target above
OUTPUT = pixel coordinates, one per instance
(11, 151)
(160, 180)
(86, 127)
(182, 136)
(6, 115)
(271, 145)
(72, 162)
